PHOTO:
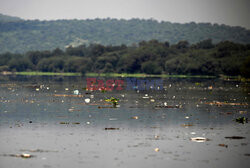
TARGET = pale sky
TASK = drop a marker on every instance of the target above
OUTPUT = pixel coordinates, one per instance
(230, 12)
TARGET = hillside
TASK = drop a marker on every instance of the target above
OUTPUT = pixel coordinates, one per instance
(6, 18)
(25, 35)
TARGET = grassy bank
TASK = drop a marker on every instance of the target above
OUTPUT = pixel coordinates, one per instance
(48, 73)
(137, 75)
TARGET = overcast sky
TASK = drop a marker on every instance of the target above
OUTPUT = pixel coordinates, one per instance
(230, 12)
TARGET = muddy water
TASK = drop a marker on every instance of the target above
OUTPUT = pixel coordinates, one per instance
(42, 117)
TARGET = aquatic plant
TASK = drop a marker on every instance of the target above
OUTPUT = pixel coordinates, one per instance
(242, 120)
(113, 100)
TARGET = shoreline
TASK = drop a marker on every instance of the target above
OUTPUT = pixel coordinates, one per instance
(136, 75)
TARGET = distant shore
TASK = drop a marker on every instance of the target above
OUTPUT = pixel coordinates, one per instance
(136, 75)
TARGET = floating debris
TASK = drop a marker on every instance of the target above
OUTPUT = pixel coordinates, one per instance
(65, 95)
(217, 103)
(187, 125)
(112, 119)
(76, 123)
(157, 137)
(111, 128)
(113, 100)
(152, 100)
(66, 89)
(242, 112)
(76, 92)
(26, 155)
(168, 106)
(242, 120)
(23, 155)
(157, 149)
(199, 139)
(87, 100)
(223, 145)
(37, 89)
(37, 150)
(64, 122)
(135, 117)
(210, 87)
(235, 137)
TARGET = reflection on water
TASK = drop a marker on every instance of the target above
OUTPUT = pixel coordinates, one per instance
(43, 117)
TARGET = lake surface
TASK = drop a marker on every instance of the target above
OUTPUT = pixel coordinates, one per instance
(41, 116)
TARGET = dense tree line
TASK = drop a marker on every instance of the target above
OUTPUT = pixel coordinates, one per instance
(20, 36)
(151, 57)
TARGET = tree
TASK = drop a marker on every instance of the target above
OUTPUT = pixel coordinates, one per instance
(151, 68)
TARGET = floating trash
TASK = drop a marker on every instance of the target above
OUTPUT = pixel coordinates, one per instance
(88, 122)
(223, 145)
(187, 125)
(152, 100)
(91, 96)
(76, 92)
(187, 117)
(168, 106)
(37, 150)
(37, 89)
(87, 100)
(66, 89)
(226, 103)
(242, 112)
(157, 137)
(111, 128)
(157, 149)
(64, 122)
(235, 137)
(210, 87)
(135, 117)
(199, 139)
(65, 95)
(23, 155)
(112, 119)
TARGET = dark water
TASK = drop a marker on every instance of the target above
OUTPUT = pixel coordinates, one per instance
(149, 131)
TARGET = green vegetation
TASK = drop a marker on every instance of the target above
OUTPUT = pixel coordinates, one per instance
(113, 100)
(6, 18)
(20, 36)
(48, 73)
(159, 59)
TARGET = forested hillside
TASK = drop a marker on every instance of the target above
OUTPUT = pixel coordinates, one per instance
(19, 36)
(151, 57)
